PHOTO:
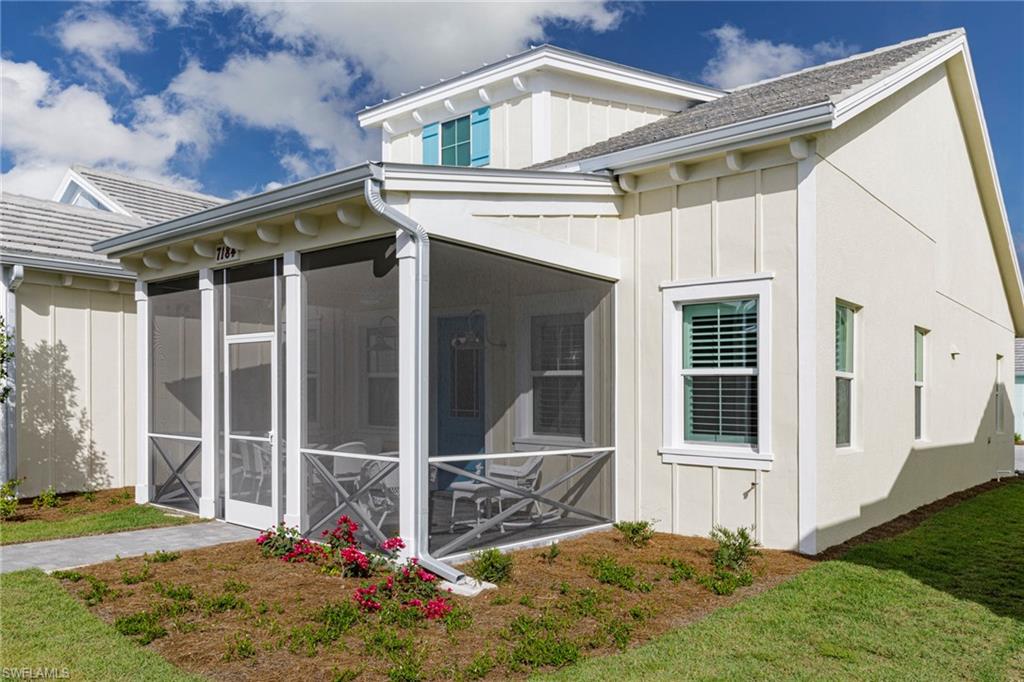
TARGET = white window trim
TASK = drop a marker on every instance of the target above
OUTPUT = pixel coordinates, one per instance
(528, 307)
(674, 449)
(854, 445)
(364, 322)
(1000, 416)
(923, 436)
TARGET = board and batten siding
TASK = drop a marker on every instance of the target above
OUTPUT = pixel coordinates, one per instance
(577, 121)
(730, 224)
(903, 234)
(75, 384)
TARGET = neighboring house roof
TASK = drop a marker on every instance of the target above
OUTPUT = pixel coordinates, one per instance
(1018, 359)
(829, 82)
(54, 236)
(150, 202)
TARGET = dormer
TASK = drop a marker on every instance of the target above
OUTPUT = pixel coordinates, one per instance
(526, 109)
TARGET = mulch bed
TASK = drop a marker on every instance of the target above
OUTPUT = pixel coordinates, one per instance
(281, 597)
(74, 503)
(914, 518)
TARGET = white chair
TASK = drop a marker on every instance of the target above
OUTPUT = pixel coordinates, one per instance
(481, 494)
(526, 476)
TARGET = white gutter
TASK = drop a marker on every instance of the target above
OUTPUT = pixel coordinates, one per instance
(413, 476)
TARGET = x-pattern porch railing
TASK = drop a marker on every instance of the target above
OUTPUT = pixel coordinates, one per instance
(356, 499)
(177, 470)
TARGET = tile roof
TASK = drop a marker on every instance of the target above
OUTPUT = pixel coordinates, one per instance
(828, 82)
(150, 202)
(37, 229)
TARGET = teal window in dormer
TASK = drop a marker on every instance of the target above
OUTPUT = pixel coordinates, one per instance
(464, 141)
(455, 142)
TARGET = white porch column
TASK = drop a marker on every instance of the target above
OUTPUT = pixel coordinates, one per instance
(208, 500)
(143, 481)
(295, 391)
(10, 280)
(409, 465)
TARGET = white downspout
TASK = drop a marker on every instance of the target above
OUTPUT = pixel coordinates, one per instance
(414, 516)
(8, 413)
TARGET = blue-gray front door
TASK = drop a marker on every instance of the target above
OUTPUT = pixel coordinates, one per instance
(460, 425)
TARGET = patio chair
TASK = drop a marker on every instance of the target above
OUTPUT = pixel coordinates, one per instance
(526, 476)
(479, 493)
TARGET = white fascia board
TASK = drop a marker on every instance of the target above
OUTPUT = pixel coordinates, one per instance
(848, 107)
(793, 122)
(541, 58)
(71, 176)
(112, 271)
(412, 177)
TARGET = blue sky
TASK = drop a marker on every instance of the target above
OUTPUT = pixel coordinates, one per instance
(233, 98)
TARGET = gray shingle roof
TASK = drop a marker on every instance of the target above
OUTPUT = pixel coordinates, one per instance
(34, 230)
(1018, 363)
(815, 85)
(150, 202)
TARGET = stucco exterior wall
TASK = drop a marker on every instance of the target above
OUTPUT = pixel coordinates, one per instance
(75, 384)
(901, 233)
(725, 224)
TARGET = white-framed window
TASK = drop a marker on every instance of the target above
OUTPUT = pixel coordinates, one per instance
(380, 356)
(998, 393)
(845, 378)
(717, 360)
(555, 368)
(919, 406)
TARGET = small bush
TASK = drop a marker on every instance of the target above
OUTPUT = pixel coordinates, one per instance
(386, 642)
(459, 618)
(89, 496)
(173, 592)
(98, 591)
(396, 613)
(538, 649)
(133, 578)
(640, 613)
(723, 582)
(607, 570)
(491, 565)
(239, 647)
(587, 603)
(479, 667)
(9, 498)
(407, 669)
(527, 601)
(735, 548)
(680, 570)
(636, 533)
(47, 499)
(73, 576)
(235, 586)
(619, 632)
(551, 553)
(228, 601)
(337, 619)
(144, 627)
(346, 675)
(501, 600)
(162, 557)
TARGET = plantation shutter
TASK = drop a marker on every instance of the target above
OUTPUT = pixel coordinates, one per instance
(720, 343)
(480, 137)
(431, 144)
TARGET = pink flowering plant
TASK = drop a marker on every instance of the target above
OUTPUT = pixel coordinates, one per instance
(278, 541)
(406, 595)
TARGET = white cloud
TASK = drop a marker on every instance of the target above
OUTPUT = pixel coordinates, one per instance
(48, 127)
(403, 45)
(739, 60)
(98, 38)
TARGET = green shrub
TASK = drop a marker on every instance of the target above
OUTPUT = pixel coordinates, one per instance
(89, 496)
(73, 576)
(144, 627)
(396, 613)
(9, 498)
(501, 600)
(526, 600)
(337, 619)
(619, 632)
(724, 582)
(735, 548)
(98, 591)
(491, 565)
(235, 586)
(587, 603)
(479, 667)
(680, 569)
(346, 675)
(636, 533)
(551, 553)
(172, 591)
(227, 601)
(162, 557)
(459, 618)
(407, 669)
(47, 499)
(607, 570)
(538, 649)
(133, 578)
(640, 613)
(386, 642)
(239, 647)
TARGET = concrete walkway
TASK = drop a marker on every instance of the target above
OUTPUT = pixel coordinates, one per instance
(51, 555)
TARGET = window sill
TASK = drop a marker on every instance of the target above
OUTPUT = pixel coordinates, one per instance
(551, 441)
(849, 450)
(731, 458)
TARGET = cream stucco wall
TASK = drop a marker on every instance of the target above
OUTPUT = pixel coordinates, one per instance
(75, 384)
(901, 232)
(722, 224)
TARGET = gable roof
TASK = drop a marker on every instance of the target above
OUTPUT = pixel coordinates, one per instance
(150, 202)
(55, 236)
(825, 84)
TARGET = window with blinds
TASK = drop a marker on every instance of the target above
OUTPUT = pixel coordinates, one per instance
(719, 371)
(844, 374)
(557, 371)
(919, 383)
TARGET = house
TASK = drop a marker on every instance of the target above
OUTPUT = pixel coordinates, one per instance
(574, 292)
(70, 422)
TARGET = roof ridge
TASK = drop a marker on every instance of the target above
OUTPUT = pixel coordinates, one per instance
(78, 168)
(84, 211)
(852, 57)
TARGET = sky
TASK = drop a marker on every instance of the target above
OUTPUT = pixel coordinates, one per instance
(232, 98)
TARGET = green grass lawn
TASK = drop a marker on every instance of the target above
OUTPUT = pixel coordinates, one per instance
(94, 523)
(42, 626)
(943, 601)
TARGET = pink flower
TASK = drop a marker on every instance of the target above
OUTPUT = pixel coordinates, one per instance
(438, 607)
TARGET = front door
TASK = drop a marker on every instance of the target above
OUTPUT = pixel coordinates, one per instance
(252, 491)
(460, 390)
